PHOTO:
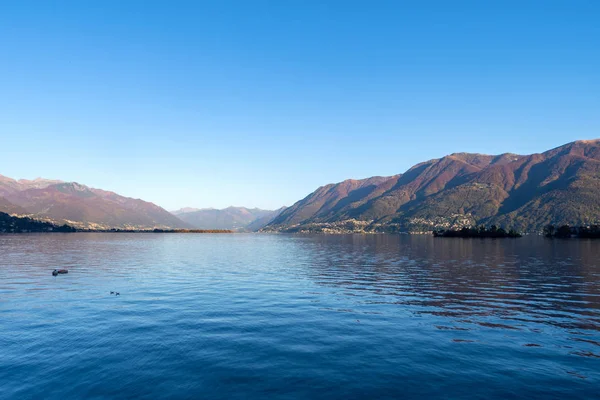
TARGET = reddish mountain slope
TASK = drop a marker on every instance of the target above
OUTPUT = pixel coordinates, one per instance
(84, 207)
(327, 201)
(10, 208)
(559, 186)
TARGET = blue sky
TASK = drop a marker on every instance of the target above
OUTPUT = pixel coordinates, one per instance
(257, 103)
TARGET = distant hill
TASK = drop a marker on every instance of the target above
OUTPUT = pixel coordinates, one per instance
(526, 192)
(263, 221)
(235, 218)
(185, 210)
(81, 206)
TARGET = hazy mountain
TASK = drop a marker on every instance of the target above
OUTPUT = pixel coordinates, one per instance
(263, 221)
(559, 186)
(185, 210)
(81, 206)
(237, 218)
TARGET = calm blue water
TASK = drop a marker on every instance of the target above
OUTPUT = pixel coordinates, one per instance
(297, 317)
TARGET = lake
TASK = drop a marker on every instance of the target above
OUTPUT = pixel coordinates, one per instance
(253, 316)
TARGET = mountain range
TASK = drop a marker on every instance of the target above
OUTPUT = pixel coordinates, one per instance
(525, 192)
(81, 206)
(233, 218)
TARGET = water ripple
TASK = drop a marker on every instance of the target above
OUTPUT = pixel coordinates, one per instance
(278, 316)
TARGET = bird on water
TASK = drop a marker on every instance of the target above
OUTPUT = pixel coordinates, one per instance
(60, 271)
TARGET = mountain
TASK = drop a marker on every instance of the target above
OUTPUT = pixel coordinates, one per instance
(236, 218)
(9, 185)
(81, 206)
(328, 201)
(263, 221)
(10, 208)
(185, 210)
(526, 192)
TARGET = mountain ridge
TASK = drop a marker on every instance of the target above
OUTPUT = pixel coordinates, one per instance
(527, 191)
(235, 218)
(81, 206)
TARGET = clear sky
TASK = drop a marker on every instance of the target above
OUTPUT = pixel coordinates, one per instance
(257, 103)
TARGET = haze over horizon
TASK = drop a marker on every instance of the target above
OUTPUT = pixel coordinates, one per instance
(256, 105)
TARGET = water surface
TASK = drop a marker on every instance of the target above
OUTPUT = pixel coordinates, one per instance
(298, 317)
